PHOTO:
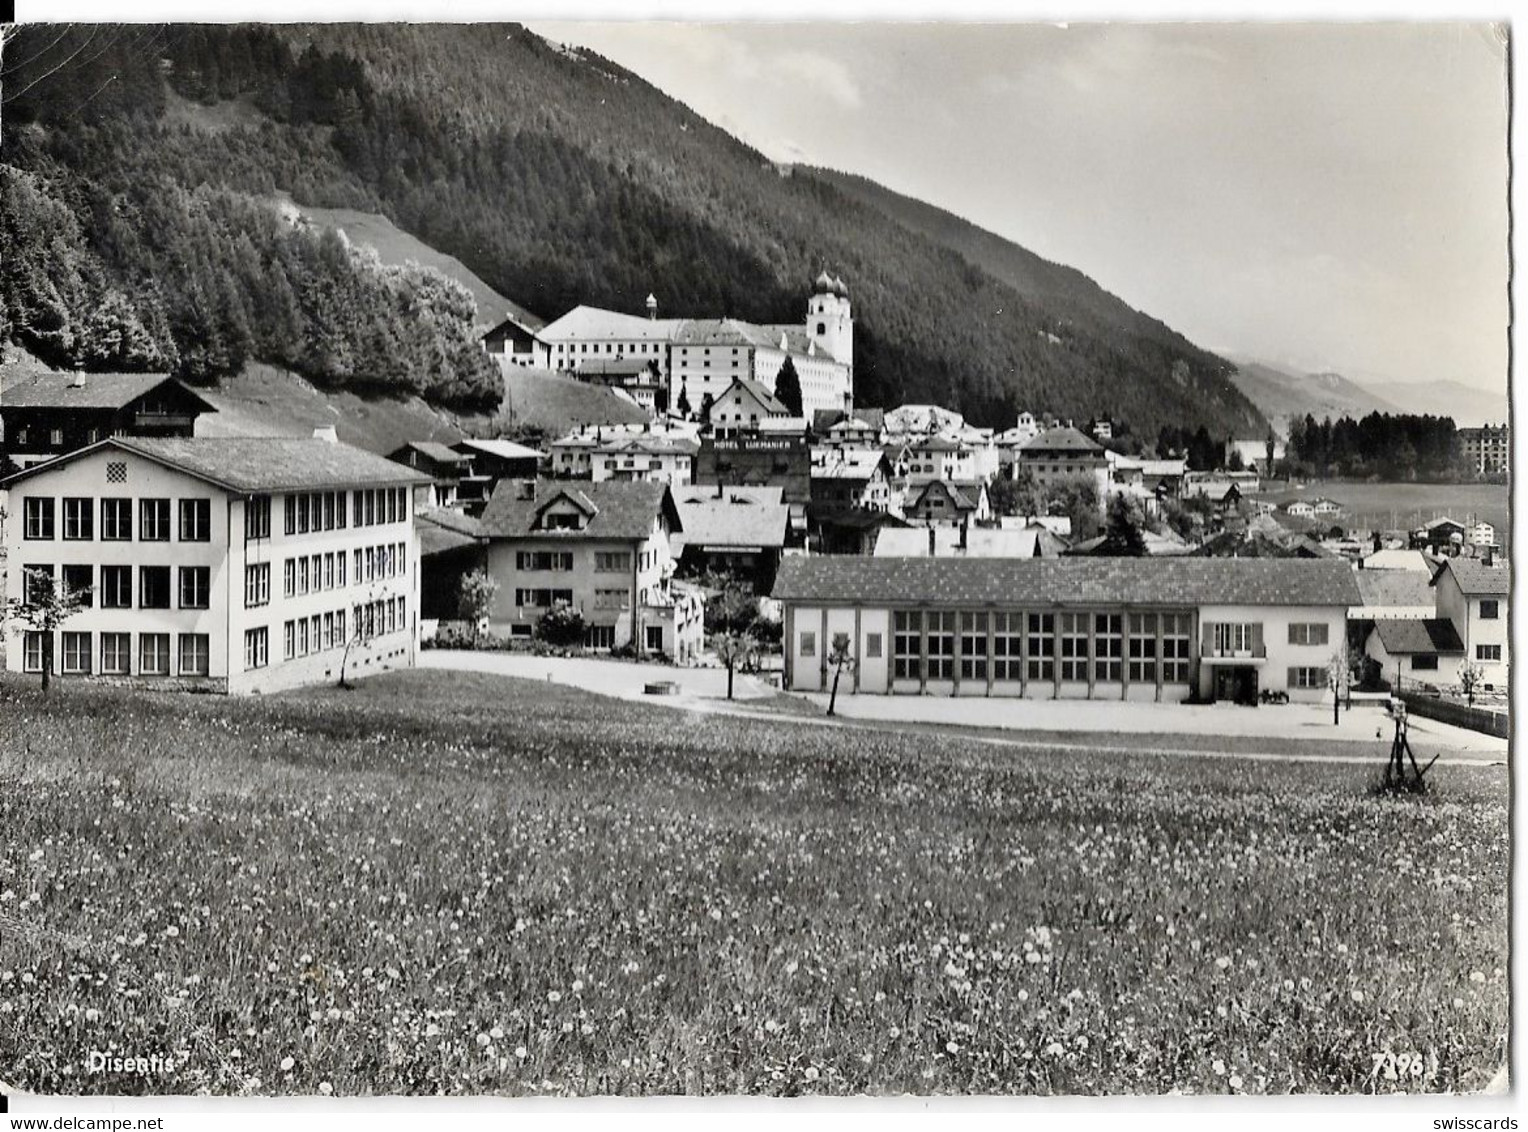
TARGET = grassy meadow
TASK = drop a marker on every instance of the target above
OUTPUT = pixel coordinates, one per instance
(453, 883)
(1406, 506)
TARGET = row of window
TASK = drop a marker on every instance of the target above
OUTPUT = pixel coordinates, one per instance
(309, 511)
(1013, 645)
(318, 633)
(561, 561)
(39, 514)
(116, 588)
(610, 348)
(194, 653)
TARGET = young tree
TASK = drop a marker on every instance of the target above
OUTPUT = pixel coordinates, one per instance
(1339, 674)
(733, 647)
(561, 625)
(474, 598)
(788, 387)
(43, 608)
(1469, 679)
(840, 657)
(1077, 498)
(683, 404)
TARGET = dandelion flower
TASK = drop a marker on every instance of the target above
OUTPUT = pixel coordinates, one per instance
(952, 1047)
(811, 1073)
(1219, 1066)
(1458, 1004)
(521, 1052)
(325, 1088)
(286, 1064)
(1023, 995)
(1055, 1049)
(1223, 962)
(1358, 996)
(554, 996)
(496, 1033)
(1477, 976)
(1234, 1081)
(483, 1039)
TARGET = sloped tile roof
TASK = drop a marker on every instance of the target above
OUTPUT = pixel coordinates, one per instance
(433, 449)
(1064, 440)
(30, 388)
(619, 509)
(441, 529)
(1434, 635)
(1477, 579)
(1392, 588)
(1067, 581)
(733, 521)
(258, 463)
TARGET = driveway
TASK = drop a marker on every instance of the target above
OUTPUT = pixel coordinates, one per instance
(706, 689)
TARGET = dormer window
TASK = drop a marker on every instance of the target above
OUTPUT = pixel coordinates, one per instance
(563, 521)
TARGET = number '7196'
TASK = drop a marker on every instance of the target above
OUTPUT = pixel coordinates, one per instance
(1402, 1066)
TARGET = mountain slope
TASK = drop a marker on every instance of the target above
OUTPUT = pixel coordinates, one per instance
(557, 177)
(1469, 405)
(1052, 285)
(1281, 393)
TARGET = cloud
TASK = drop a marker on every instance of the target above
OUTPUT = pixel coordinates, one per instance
(827, 74)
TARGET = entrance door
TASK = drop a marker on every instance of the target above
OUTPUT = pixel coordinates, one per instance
(1237, 683)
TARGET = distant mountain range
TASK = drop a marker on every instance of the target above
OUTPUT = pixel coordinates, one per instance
(1281, 391)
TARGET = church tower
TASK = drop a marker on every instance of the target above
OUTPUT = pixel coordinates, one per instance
(828, 321)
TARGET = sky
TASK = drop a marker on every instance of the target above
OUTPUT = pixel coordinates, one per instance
(1323, 196)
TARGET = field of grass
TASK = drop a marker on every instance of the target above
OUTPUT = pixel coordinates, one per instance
(452, 883)
(1405, 506)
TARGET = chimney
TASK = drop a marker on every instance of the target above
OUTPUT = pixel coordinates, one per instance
(932, 543)
(652, 306)
(1490, 556)
(965, 525)
(525, 489)
(326, 433)
(77, 378)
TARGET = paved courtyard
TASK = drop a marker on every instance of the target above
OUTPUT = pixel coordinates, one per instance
(707, 688)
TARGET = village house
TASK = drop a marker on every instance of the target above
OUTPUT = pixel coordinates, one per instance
(637, 379)
(920, 459)
(851, 479)
(488, 461)
(44, 414)
(218, 564)
(1061, 454)
(742, 406)
(648, 457)
(445, 466)
(1165, 629)
(1474, 596)
(602, 548)
(1423, 650)
(947, 503)
(860, 429)
(516, 339)
(921, 420)
(740, 531)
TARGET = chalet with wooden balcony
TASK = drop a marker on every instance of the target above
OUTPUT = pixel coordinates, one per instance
(44, 415)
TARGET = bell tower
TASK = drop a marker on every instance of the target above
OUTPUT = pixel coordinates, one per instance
(828, 320)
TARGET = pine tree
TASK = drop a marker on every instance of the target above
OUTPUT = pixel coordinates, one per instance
(788, 387)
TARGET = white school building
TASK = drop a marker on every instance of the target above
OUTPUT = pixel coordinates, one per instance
(218, 564)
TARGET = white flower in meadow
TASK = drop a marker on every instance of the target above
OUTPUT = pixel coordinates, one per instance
(1082, 1041)
(1358, 996)
(771, 1027)
(867, 1058)
(965, 938)
(578, 985)
(325, 1088)
(483, 1039)
(1342, 949)
(1458, 1003)
(1289, 984)
(334, 1013)
(522, 1053)
(1023, 995)
(567, 1027)
(92, 1015)
(1234, 1081)
(586, 1029)
(880, 996)
(1477, 976)
(1219, 1066)
(716, 914)
(791, 967)
(1223, 962)
(1055, 1049)
(172, 931)
(432, 1031)
(952, 1047)
(286, 1064)
(811, 1073)
(496, 1033)
(953, 971)
(35, 855)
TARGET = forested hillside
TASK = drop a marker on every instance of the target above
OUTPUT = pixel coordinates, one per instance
(553, 174)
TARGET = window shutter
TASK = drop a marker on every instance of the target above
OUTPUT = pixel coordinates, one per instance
(1321, 633)
(1294, 678)
(1294, 634)
(1257, 638)
(1207, 639)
